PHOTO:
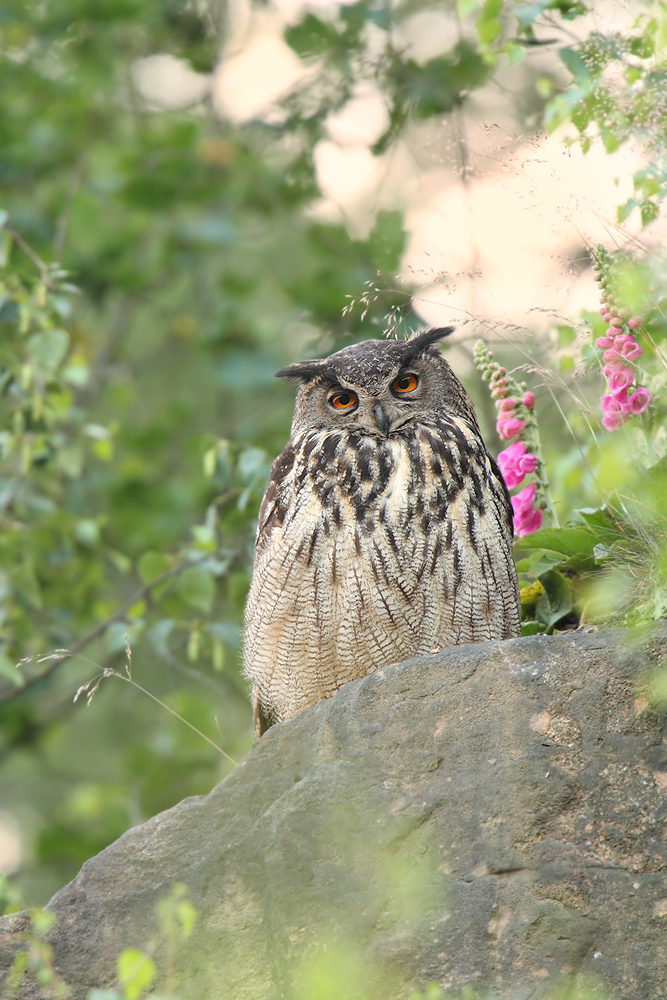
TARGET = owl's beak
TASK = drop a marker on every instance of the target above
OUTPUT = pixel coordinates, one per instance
(381, 419)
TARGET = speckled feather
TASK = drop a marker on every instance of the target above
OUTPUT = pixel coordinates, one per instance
(374, 546)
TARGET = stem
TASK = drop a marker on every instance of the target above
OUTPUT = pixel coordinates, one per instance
(128, 680)
(541, 473)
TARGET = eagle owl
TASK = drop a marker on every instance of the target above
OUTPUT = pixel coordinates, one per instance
(385, 531)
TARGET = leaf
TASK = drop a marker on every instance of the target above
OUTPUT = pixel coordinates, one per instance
(8, 670)
(160, 633)
(530, 628)
(47, 350)
(515, 53)
(488, 26)
(197, 588)
(151, 565)
(576, 65)
(529, 13)
(135, 971)
(567, 541)
(229, 632)
(556, 602)
(312, 37)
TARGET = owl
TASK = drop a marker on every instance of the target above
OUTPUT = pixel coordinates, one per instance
(385, 531)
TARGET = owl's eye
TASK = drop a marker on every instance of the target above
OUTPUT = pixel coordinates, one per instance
(405, 383)
(343, 400)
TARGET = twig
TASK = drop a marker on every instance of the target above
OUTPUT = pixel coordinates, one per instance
(195, 675)
(27, 250)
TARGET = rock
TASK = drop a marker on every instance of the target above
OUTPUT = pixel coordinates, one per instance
(490, 816)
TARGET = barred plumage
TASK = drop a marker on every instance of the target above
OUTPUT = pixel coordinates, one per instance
(385, 531)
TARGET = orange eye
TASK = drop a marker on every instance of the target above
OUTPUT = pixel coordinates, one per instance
(343, 400)
(405, 383)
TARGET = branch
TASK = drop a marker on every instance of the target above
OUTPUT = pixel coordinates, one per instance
(100, 629)
(27, 250)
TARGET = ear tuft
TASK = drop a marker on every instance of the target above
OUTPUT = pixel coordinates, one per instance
(304, 370)
(420, 343)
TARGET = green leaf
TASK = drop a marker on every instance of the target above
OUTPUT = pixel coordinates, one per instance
(151, 565)
(576, 65)
(515, 53)
(311, 37)
(556, 602)
(160, 633)
(488, 29)
(466, 7)
(527, 14)
(135, 971)
(602, 523)
(531, 628)
(567, 541)
(47, 350)
(197, 587)
(9, 671)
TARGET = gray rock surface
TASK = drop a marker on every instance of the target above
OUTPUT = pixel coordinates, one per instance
(491, 816)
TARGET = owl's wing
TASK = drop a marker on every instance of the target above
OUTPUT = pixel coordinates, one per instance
(272, 511)
(503, 494)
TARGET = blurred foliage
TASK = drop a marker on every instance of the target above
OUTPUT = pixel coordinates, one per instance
(156, 266)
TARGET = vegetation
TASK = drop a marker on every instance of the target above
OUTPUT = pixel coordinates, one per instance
(156, 266)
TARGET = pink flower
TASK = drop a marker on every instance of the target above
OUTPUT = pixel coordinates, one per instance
(612, 356)
(635, 322)
(515, 464)
(620, 382)
(616, 410)
(506, 404)
(617, 366)
(526, 518)
(612, 421)
(623, 338)
(631, 351)
(639, 400)
(604, 343)
(528, 400)
(609, 405)
(509, 428)
(619, 377)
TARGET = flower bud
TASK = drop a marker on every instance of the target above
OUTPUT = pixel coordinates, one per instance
(528, 400)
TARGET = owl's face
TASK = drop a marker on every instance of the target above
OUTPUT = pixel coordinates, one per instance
(378, 387)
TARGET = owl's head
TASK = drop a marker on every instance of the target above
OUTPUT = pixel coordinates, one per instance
(378, 387)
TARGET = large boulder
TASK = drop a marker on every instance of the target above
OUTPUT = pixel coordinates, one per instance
(490, 816)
